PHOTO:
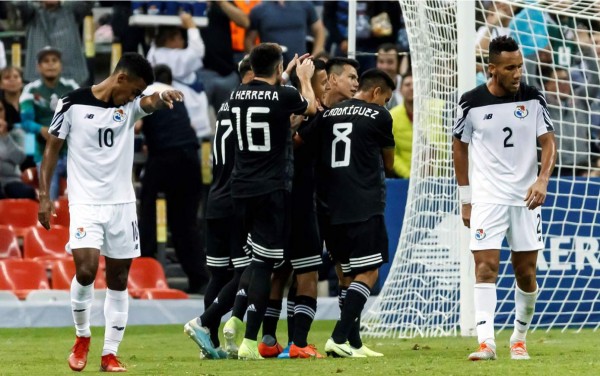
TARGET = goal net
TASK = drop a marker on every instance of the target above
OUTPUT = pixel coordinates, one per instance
(428, 291)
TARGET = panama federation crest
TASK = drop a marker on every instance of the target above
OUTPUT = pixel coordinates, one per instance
(119, 115)
(479, 234)
(521, 112)
(80, 233)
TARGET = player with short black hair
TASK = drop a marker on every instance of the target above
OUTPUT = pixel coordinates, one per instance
(356, 150)
(98, 124)
(261, 178)
(503, 120)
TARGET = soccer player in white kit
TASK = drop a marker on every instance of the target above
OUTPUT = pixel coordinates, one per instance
(98, 125)
(502, 120)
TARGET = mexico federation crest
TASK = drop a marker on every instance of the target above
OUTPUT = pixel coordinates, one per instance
(80, 233)
(479, 234)
(521, 112)
(119, 115)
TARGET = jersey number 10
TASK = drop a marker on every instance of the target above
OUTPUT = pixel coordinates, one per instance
(106, 137)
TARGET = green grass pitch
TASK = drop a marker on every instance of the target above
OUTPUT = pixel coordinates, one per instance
(165, 350)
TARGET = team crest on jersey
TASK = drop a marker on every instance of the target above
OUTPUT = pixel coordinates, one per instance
(479, 234)
(521, 112)
(119, 115)
(80, 233)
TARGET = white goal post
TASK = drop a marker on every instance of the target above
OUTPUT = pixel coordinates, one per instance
(428, 291)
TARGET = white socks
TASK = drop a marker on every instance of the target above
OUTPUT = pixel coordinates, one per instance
(524, 310)
(116, 310)
(81, 304)
(485, 307)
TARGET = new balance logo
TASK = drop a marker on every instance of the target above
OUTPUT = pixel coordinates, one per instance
(119, 328)
(89, 116)
(251, 308)
(79, 310)
(481, 322)
(487, 116)
(216, 301)
(521, 322)
(241, 292)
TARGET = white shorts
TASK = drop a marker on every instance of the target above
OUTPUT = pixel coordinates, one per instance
(490, 223)
(113, 229)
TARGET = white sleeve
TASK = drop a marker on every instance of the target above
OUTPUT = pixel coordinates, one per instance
(61, 122)
(463, 128)
(543, 121)
(137, 110)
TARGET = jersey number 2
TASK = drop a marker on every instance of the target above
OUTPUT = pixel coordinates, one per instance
(341, 131)
(106, 137)
(508, 144)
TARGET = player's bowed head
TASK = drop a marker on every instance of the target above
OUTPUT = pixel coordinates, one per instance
(505, 66)
(375, 86)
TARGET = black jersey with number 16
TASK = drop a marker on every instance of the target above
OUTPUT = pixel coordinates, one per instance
(260, 115)
(220, 204)
(352, 135)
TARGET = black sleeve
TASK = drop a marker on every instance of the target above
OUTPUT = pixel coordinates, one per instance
(383, 129)
(292, 100)
(310, 133)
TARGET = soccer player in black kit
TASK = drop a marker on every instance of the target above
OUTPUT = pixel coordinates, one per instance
(356, 150)
(225, 237)
(261, 178)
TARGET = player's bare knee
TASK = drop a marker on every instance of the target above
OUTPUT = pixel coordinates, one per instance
(368, 277)
(486, 272)
(86, 274)
(117, 280)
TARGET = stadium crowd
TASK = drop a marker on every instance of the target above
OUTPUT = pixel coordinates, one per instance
(210, 63)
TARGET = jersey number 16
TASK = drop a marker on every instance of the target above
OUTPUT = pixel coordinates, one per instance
(250, 126)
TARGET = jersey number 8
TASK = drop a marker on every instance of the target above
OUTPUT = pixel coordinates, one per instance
(341, 131)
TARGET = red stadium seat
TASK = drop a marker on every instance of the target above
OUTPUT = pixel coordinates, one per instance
(63, 272)
(145, 273)
(9, 246)
(163, 294)
(61, 207)
(20, 214)
(22, 276)
(43, 245)
(30, 177)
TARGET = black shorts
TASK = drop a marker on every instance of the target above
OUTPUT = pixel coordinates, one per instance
(267, 222)
(306, 247)
(225, 243)
(359, 246)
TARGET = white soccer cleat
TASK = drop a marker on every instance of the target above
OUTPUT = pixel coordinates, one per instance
(364, 350)
(485, 352)
(341, 350)
(518, 351)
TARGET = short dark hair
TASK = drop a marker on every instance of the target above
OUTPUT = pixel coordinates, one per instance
(388, 47)
(264, 59)
(319, 66)
(165, 33)
(375, 78)
(499, 45)
(337, 64)
(162, 73)
(135, 64)
(244, 66)
(550, 72)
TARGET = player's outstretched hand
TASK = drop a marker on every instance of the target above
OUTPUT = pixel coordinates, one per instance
(536, 194)
(466, 215)
(305, 69)
(45, 211)
(170, 96)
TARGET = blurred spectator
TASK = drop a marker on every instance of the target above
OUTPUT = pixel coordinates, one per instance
(238, 33)
(38, 102)
(497, 20)
(169, 49)
(529, 29)
(287, 23)
(11, 155)
(219, 74)
(2, 56)
(377, 22)
(571, 113)
(173, 167)
(11, 84)
(388, 61)
(402, 116)
(55, 23)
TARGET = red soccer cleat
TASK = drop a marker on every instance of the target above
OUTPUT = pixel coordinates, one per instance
(79, 353)
(309, 351)
(267, 351)
(110, 363)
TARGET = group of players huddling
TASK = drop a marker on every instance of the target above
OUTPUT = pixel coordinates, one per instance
(276, 148)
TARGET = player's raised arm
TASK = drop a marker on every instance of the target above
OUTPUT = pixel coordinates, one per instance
(161, 100)
(305, 71)
(46, 208)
